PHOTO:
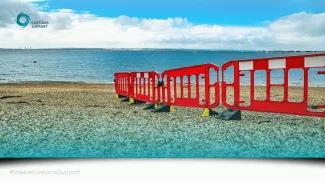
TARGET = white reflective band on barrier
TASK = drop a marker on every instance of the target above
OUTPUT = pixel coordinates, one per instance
(277, 63)
(318, 61)
(246, 65)
(146, 75)
(138, 75)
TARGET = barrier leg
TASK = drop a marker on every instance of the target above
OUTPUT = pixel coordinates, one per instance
(117, 97)
(172, 109)
(208, 112)
(131, 101)
(166, 108)
(134, 101)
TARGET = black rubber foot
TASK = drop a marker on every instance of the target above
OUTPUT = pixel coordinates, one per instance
(164, 108)
(230, 114)
(213, 113)
(125, 99)
(150, 107)
(121, 96)
(138, 102)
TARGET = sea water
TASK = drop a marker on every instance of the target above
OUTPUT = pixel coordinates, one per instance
(99, 65)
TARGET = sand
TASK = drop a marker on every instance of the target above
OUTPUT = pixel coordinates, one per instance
(85, 120)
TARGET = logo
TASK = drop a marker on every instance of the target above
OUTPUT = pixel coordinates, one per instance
(23, 19)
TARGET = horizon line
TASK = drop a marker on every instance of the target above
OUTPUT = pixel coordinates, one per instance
(139, 49)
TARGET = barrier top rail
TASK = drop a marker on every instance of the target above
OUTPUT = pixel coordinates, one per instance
(281, 57)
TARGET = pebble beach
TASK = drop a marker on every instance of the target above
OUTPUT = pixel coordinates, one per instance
(86, 120)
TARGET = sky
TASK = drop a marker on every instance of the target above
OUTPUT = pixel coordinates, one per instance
(190, 24)
(225, 12)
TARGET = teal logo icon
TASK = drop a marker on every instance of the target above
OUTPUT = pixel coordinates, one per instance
(23, 19)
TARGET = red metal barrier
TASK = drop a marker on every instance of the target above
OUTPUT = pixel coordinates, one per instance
(179, 83)
(122, 84)
(287, 67)
(145, 87)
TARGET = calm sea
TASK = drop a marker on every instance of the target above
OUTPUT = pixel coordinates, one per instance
(98, 65)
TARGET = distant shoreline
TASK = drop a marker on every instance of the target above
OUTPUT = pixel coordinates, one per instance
(100, 83)
(54, 82)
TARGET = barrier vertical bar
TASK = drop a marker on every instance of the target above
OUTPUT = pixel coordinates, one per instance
(268, 85)
(189, 86)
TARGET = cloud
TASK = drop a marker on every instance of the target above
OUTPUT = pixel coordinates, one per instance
(67, 28)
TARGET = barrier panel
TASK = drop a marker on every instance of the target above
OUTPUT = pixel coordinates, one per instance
(194, 86)
(144, 86)
(263, 85)
(122, 84)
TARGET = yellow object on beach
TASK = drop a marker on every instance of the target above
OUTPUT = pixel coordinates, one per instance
(117, 98)
(206, 112)
(131, 101)
(172, 109)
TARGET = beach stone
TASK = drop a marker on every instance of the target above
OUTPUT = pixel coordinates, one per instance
(85, 120)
